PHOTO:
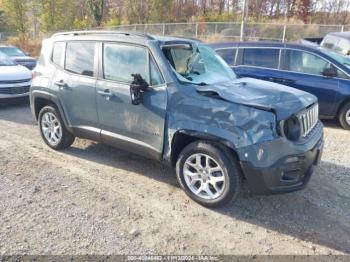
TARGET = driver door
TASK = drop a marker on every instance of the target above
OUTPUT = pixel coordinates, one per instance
(305, 71)
(137, 128)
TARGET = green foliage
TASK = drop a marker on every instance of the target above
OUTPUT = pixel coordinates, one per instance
(96, 10)
(112, 22)
(55, 14)
(223, 17)
(28, 16)
(82, 23)
(159, 11)
(17, 15)
(3, 21)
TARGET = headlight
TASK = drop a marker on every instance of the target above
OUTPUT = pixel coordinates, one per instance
(291, 128)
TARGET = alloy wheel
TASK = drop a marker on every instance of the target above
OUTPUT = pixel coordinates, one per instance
(204, 176)
(51, 128)
(347, 117)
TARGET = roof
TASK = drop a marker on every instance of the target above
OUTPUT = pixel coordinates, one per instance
(267, 44)
(122, 36)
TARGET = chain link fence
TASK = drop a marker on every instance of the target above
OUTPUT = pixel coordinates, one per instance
(218, 31)
(221, 31)
(236, 31)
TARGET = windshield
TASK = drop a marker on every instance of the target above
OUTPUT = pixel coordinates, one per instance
(345, 60)
(11, 51)
(198, 64)
(5, 60)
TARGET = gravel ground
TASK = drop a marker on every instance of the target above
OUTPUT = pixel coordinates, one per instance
(93, 199)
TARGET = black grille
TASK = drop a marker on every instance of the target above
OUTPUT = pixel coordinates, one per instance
(308, 119)
(14, 90)
(8, 82)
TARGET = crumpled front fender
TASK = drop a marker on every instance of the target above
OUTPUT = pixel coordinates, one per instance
(239, 125)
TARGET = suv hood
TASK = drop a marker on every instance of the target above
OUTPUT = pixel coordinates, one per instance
(15, 72)
(282, 100)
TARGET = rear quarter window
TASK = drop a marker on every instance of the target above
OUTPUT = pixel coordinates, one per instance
(261, 57)
(58, 53)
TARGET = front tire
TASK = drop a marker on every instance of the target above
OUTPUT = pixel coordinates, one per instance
(208, 173)
(52, 129)
(344, 116)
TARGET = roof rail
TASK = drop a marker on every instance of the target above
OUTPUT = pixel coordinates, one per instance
(103, 32)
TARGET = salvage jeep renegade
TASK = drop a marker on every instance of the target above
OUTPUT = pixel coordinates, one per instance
(175, 100)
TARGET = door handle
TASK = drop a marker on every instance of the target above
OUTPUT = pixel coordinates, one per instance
(282, 80)
(61, 84)
(275, 79)
(288, 81)
(106, 93)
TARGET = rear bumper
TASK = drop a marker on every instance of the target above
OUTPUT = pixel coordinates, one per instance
(290, 172)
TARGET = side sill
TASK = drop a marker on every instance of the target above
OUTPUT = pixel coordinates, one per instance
(131, 145)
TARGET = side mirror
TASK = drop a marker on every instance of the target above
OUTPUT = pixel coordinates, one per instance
(137, 87)
(329, 72)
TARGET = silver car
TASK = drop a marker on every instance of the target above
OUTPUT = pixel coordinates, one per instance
(15, 79)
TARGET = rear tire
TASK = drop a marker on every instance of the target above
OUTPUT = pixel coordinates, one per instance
(208, 173)
(52, 129)
(344, 116)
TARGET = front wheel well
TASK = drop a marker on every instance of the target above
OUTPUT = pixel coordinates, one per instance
(182, 138)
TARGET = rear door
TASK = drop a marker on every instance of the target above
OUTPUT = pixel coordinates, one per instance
(304, 70)
(75, 84)
(138, 128)
(258, 62)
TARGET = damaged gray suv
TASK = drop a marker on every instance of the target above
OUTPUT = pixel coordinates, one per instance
(175, 100)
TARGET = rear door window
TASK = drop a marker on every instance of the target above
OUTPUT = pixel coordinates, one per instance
(80, 58)
(261, 57)
(228, 54)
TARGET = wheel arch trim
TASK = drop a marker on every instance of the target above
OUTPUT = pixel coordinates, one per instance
(196, 135)
(39, 94)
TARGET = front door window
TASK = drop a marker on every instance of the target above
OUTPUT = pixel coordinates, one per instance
(303, 62)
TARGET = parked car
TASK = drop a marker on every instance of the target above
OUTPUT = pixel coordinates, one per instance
(336, 41)
(175, 100)
(18, 56)
(15, 79)
(319, 71)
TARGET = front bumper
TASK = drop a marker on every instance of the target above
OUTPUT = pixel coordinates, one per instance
(287, 169)
(2, 96)
(14, 90)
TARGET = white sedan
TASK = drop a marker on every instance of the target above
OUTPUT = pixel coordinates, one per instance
(15, 79)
